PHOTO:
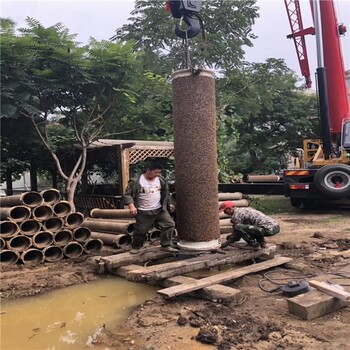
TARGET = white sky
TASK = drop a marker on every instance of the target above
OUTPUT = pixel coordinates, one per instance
(99, 19)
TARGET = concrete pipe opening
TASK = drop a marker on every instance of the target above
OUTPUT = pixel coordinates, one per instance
(62, 208)
(81, 234)
(53, 224)
(51, 196)
(73, 250)
(42, 239)
(8, 229)
(29, 227)
(42, 212)
(53, 253)
(30, 199)
(62, 237)
(92, 246)
(17, 213)
(32, 256)
(121, 241)
(19, 243)
(8, 257)
(74, 219)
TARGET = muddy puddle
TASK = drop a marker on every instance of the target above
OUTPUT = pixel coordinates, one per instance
(69, 318)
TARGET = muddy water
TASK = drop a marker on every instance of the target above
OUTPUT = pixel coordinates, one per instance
(69, 318)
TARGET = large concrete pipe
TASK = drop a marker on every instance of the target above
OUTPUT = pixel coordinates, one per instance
(62, 237)
(62, 208)
(111, 213)
(29, 227)
(118, 241)
(42, 239)
(74, 220)
(226, 196)
(30, 199)
(42, 212)
(8, 257)
(194, 118)
(8, 229)
(53, 253)
(17, 213)
(19, 243)
(2, 243)
(32, 256)
(73, 250)
(53, 224)
(105, 225)
(51, 196)
(81, 234)
(92, 245)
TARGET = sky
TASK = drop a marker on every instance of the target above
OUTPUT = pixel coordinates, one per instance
(100, 19)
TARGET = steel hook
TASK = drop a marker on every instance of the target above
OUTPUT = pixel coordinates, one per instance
(192, 30)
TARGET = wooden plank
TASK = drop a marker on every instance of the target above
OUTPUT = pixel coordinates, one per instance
(216, 292)
(180, 267)
(331, 290)
(223, 277)
(313, 304)
(113, 261)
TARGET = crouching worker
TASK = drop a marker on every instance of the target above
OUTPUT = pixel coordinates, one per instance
(249, 224)
(147, 197)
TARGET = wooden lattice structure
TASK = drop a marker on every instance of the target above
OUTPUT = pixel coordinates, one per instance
(122, 153)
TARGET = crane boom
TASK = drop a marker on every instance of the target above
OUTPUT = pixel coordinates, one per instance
(298, 36)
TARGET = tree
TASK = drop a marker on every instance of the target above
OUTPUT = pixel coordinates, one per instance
(265, 117)
(227, 24)
(71, 94)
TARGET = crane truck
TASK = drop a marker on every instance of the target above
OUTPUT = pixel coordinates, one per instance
(322, 169)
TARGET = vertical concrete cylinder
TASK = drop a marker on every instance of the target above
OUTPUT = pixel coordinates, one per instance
(194, 118)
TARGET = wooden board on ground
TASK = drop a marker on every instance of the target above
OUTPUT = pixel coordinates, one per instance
(215, 292)
(332, 290)
(313, 304)
(222, 277)
(108, 263)
(180, 267)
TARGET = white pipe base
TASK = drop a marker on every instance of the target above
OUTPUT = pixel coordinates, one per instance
(209, 245)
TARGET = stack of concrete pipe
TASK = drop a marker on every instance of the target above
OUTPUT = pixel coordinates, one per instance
(115, 227)
(237, 198)
(39, 226)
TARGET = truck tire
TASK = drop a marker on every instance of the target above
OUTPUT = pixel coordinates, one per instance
(333, 180)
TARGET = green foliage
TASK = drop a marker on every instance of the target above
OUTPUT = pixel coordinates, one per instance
(265, 115)
(227, 24)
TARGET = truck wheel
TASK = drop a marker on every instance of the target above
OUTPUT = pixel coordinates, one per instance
(333, 180)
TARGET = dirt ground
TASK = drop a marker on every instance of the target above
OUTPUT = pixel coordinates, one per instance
(316, 240)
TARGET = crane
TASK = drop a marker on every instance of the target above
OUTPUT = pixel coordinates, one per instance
(325, 171)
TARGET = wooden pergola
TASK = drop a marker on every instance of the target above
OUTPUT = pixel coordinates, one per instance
(123, 153)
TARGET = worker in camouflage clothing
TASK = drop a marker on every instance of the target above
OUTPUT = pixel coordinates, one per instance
(249, 224)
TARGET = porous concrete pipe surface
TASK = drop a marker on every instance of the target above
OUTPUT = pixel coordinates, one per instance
(194, 118)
